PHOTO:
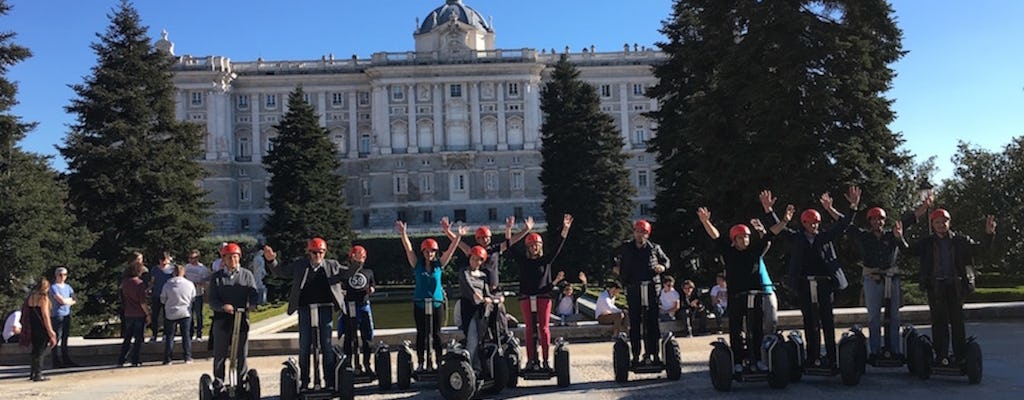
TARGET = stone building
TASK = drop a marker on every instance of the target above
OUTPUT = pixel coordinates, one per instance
(451, 128)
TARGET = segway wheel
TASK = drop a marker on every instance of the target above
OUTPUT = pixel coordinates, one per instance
(562, 367)
(252, 385)
(779, 369)
(205, 387)
(382, 361)
(911, 347)
(456, 380)
(923, 359)
(404, 369)
(501, 377)
(620, 361)
(513, 370)
(720, 366)
(288, 389)
(973, 363)
(673, 360)
(346, 382)
(862, 353)
(849, 371)
(796, 370)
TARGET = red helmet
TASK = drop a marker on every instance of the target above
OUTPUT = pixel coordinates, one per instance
(533, 237)
(357, 250)
(940, 212)
(876, 212)
(643, 225)
(230, 248)
(737, 230)
(810, 215)
(483, 231)
(428, 244)
(478, 251)
(316, 244)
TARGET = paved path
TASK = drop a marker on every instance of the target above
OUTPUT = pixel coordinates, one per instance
(591, 374)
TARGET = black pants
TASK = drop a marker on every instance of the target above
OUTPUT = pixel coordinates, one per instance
(824, 320)
(649, 320)
(739, 315)
(946, 304)
(223, 325)
(435, 332)
(156, 311)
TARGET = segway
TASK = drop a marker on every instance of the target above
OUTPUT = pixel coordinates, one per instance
(775, 369)
(539, 372)
(672, 364)
(290, 385)
(349, 372)
(851, 354)
(888, 357)
(245, 387)
(458, 380)
(406, 374)
(924, 362)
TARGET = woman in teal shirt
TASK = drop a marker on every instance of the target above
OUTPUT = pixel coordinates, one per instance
(427, 271)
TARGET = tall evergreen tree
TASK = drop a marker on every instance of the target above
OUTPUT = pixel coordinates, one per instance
(36, 229)
(781, 95)
(305, 187)
(132, 167)
(583, 170)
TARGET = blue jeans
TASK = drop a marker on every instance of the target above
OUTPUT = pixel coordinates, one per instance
(61, 326)
(261, 295)
(364, 323)
(185, 325)
(326, 316)
(197, 316)
(133, 332)
(874, 296)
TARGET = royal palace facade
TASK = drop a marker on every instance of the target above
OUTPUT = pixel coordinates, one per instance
(451, 128)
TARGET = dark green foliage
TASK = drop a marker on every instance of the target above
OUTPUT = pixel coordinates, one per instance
(36, 230)
(774, 95)
(305, 187)
(986, 183)
(584, 172)
(132, 166)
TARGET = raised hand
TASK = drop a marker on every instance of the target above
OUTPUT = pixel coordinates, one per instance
(897, 230)
(767, 200)
(268, 253)
(790, 211)
(582, 277)
(756, 223)
(703, 214)
(990, 224)
(400, 227)
(826, 201)
(445, 225)
(510, 222)
(560, 276)
(566, 221)
(529, 223)
(853, 196)
(463, 230)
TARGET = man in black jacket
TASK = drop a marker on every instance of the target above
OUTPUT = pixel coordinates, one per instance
(947, 277)
(636, 261)
(317, 285)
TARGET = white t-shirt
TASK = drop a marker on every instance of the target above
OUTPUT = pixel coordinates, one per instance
(605, 305)
(566, 306)
(668, 299)
(720, 295)
(13, 320)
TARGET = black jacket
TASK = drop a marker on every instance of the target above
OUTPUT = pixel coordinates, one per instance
(964, 250)
(298, 272)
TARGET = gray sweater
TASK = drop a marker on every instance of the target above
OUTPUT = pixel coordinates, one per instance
(177, 296)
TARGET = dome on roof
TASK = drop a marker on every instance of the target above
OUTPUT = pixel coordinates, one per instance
(454, 9)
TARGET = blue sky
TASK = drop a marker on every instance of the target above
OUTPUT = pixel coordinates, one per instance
(962, 79)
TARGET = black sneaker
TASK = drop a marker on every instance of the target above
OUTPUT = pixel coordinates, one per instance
(546, 366)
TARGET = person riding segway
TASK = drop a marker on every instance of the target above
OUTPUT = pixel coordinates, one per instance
(315, 292)
(815, 272)
(428, 308)
(741, 359)
(947, 276)
(639, 264)
(232, 290)
(478, 365)
(535, 286)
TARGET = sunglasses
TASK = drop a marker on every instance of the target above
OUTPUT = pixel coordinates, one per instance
(317, 252)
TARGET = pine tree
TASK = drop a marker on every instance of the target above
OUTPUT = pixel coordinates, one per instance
(132, 167)
(36, 230)
(305, 187)
(787, 96)
(583, 171)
